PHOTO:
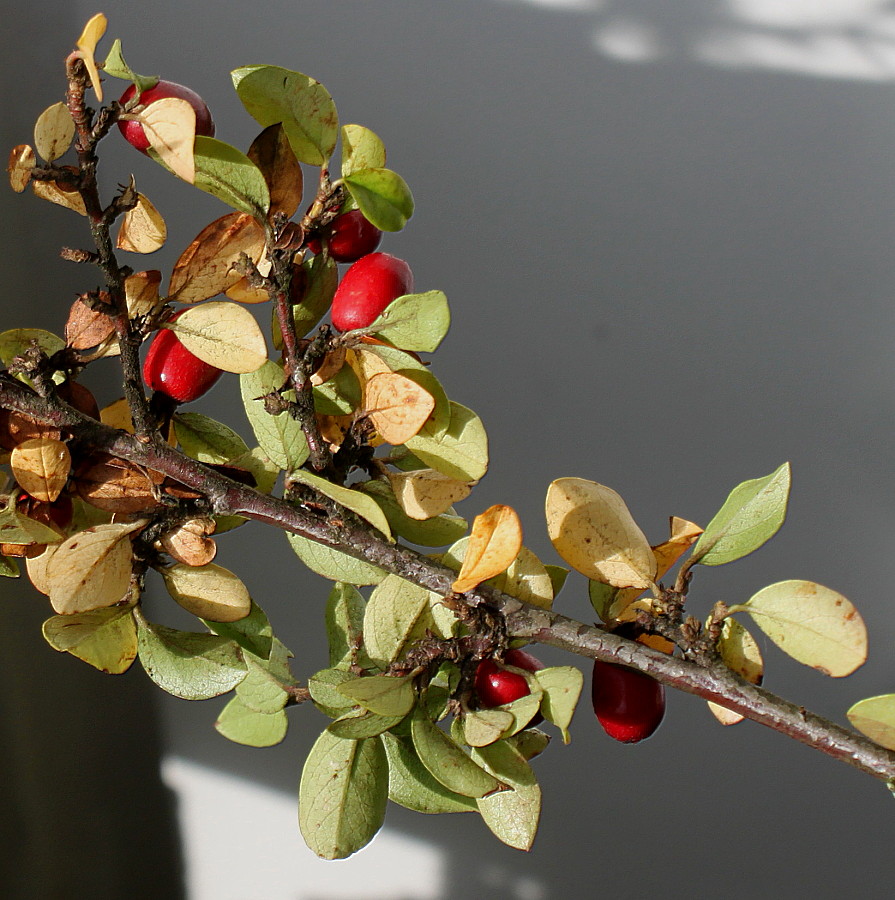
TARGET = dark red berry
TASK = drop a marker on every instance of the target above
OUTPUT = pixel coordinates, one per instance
(173, 370)
(629, 704)
(349, 237)
(496, 685)
(367, 288)
(133, 130)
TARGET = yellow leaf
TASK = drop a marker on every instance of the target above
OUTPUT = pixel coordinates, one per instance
(396, 406)
(19, 165)
(143, 229)
(36, 567)
(813, 624)
(41, 467)
(875, 716)
(222, 334)
(425, 493)
(741, 654)
(141, 293)
(210, 592)
(47, 190)
(495, 541)
(683, 535)
(170, 127)
(593, 531)
(54, 131)
(723, 715)
(91, 569)
(90, 37)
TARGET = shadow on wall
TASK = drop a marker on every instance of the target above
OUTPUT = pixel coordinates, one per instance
(833, 39)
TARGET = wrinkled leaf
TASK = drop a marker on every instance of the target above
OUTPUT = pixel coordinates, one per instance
(48, 190)
(593, 531)
(397, 614)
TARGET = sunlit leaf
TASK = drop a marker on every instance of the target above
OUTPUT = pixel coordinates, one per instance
(751, 515)
(190, 542)
(359, 724)
(426, 493)
(104, 638)
(47, 190)
(356, 501)
(207, 440)
(19, 165)
(382, 196)
(813, 624)
(170, 127)
(228, 174)
(209, 591)
(495, 541)
(562, 687)
(397, 614)
(875, 717)
(275, 158)
(361, 149)
(460, 451)
(54, 131)
(86, 43)
(334, 564)
(118, 68)
(397, 406)
(244, 725)
(414, 321)
(382, 694)
(41, 467)
(222, 334)
(143, 229)
(344, 623)
(593, 531)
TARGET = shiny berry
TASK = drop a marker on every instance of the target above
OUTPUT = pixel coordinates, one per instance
(496, 685)
(349, 237)
(629, 704)
(173, 370)
(367, 288)
(133, 130)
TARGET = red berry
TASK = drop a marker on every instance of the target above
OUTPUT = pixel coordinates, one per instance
(367, 289)
(133, 130)
(629, 704)
(495, 685)
(349, 237)
(173, 370)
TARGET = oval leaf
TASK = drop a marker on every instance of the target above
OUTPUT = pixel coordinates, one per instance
(494, 543)
(54, 131)
(751, 515)
(414, 321)
(104, 638)
(813, 624)
(593, 531)
(875, 717)
(143, 229)
(384, 695)
(243, 725)
(41, 467)
(228, 174)
(460, 451)
(19, 164)
(222, 334)
(275, 158)
(210, 592)
(170, 127)
(342, 795)
(397, 406)
(382, 196)
(425, 493)
(397, 614)
(361, 149)
(366, 507)
(334, 564)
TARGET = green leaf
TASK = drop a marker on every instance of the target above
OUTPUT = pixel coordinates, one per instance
(461, 451)
(189, 665)
(252, 633)
(361, 149)
(751, 515)
(263, 470)
(324, 688)
(229, 175)
(812, 624)
(343, 795)
(207, 440)
(104, 638)
(338, 396)
(384, 695)
(18, 529)
(244, 725)
(511, 815)
(558, 575)
(435, 532)
(280, 436)
(321, 281)
(414, 321)
(366, 507)
(397, 614)
(17, 340)
(875, 717)
(411, 785)
(382, 196)
(446, 762)
(118, 68)
(334, 564)
(359, 725)
(530, 742)
(344, 624)
(562, 687)
(272, 94)
(602, 596)
(260, 690)
(9, 568)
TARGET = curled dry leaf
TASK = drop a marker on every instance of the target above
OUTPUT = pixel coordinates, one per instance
(90, 37)
(117, 486)
(272, 153)
(19, 165)
(243, 292)
(222, 334)
(210, 592)
(331, 366)
(205, 268)
(143, 229)
(41, 467)
(593, 531)
(425, 493)
(55, 193)
(170, 127)
(141, 293)
(91, 569)
(397, 406)
(190, 544)
(87, 327)
(495, 541)
(54, 131)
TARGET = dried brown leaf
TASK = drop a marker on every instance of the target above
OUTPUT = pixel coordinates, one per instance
(141, 293)
(117, 485)
(87, 327)
(19, 165)
(55, 193)
(272, 153)
(191, 543)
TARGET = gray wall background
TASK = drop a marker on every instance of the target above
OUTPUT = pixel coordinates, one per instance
(669, 270)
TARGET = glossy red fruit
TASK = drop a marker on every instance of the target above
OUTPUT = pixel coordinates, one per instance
(629, 704)
(367, 288)
(495, 685)
(133, 131)
(173, 370)
(349, 236)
